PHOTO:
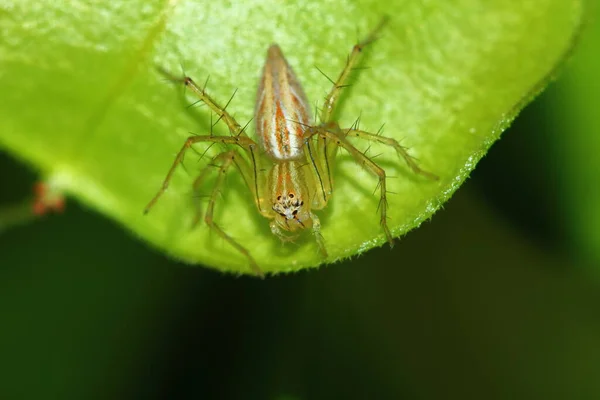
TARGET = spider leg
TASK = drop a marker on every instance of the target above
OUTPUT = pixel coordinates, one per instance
(401, 150)
(224, 161)
(200, 92)
(332, 98)
(246, 143)
(337, 137)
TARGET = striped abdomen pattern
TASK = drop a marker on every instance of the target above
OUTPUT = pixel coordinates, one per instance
(282, 113)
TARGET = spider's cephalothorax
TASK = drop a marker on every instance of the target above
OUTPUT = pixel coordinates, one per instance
(290, 197)
(289, 168)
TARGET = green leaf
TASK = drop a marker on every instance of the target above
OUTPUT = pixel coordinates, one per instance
(81, 101)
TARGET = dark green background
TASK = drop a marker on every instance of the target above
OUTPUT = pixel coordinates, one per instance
(495, 297)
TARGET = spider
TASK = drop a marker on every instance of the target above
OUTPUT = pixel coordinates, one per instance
(301, 155)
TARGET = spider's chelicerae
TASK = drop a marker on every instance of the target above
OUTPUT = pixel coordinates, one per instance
(301, 154)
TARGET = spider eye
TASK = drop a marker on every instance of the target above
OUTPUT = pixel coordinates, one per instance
(291, 195)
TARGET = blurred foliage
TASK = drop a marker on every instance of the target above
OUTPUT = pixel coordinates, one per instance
(491, 299)
(83, 104)
(574, 110)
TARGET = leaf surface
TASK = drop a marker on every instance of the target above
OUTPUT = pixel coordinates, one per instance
(81, 101)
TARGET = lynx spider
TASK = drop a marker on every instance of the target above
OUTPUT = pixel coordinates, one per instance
(301, 154)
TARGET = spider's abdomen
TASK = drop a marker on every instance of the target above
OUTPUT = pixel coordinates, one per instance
(282, 113)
